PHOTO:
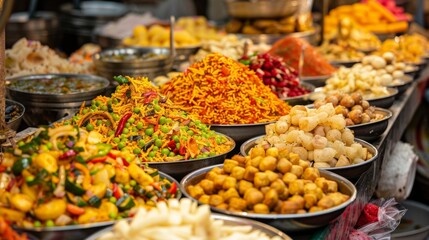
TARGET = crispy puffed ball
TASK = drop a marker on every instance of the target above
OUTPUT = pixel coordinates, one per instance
(215, 200)
(195, 191)
(338, 197)
(261, 180)
(207, 185)
(253, 196)
(249, 173)
(304, 164)
(254, 162)
(217, 170)
(211, 175)
(332, 186)
(296, 187)
(326, 202)
(272, 151)
(205, 199)
(261, 208)
(272, 176)
(310, 188)
(315, 209)
(268, 163)
(301, 211)
(240, 159)
(294, 158)
(297, 170)
(230, 193)
(322, 183)
(229, 182)
(289, 177)
(278, 185)
(289, 207)
(228, 165)
(283, 153)
(271, 198)
(264, 190)
(222, 206)
(310, 200)
(243, 185)
(319, 193)
(218, 181)
(311, 174)
(237, 204)
(284, 165)
(257, 151)
(238, 172)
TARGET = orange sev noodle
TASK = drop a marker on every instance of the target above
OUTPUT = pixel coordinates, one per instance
(220, 90)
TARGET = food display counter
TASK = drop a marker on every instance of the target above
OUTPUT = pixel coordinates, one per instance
(183, 122)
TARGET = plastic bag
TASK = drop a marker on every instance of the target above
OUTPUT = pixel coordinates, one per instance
(378, 219)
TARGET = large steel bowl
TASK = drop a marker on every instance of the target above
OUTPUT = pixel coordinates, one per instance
(372, 130)
(384, 101)
(73, 232)
(178, 169)
(406, 82)
(15, 123)
(303, 99)
(284, 222)
(45, 108)
(133, 62)
(240, 132)
(228, 221)
(312, 36)
(317, 81)
(351, 172)
(262, 9)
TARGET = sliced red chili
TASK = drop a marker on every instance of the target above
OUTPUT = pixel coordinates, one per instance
(122, 123)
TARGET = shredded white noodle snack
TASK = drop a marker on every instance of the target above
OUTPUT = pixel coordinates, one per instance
(31, 57)
(180, 220)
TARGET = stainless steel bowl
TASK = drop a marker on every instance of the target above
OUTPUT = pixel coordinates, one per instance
(262, 9)
(312, 36)
(14, 124)
(303, 99)
(43, 27)
(406, 81)
(178, 169)
(108, 67)
(345, 63)
(80, 231)
(413, 72)
(240, 132)
(228, 221)
(350, 172)
(384, 101)
(284, 222)
(45, 108)
(372, 130)
(317, 81)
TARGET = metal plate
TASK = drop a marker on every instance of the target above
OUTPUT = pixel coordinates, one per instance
(28, 97)
(73, 232)
(178, 169)
(384, 101)
(240, 132)
(406, 81)
(284, 222)
(317, 81)
(372, 130)
(303, 99)
(228, 221)
(350, 172)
